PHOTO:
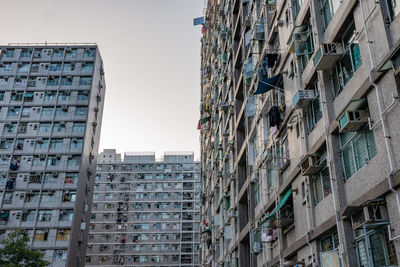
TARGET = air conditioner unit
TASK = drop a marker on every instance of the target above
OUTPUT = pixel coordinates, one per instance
(302, 97)
(64, 107)
(68, 48)
(370, 214)
(62, 123)
(96, 109)
(42, 156)
(74, 140)
(311, 165)
(326, 55)
(352, 121)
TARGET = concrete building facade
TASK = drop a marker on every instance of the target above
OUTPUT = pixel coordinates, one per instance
(51, 106)
(146, 212)
(300, 131)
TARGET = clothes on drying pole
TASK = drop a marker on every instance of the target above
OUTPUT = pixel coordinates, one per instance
(10, 184)
(275, 117)
(269, 235)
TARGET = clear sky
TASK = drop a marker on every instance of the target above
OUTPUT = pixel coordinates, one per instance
(151, 54)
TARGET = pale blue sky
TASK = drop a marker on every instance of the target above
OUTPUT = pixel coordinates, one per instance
(151, 54)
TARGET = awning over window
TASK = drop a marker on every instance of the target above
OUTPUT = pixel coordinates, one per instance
(266, 84)
(280, 205)
(28, 95)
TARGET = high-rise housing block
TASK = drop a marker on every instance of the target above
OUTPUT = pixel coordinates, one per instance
(300, 144)
(146, 211)
(51, 106)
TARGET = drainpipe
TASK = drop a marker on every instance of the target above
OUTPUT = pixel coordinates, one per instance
(381, 113)
(328, 161)
(309, 225)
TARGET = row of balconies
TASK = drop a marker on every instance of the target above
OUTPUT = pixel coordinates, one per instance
(54, 97)
(46, 68)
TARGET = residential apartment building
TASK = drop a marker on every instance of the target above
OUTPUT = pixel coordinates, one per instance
(146, 212)
(51, 106)
(300, 131)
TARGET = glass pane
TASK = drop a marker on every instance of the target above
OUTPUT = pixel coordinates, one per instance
(318, 189)
(362, 254)
(326, 182)
(369, 136)
(360, 150)
(348, 161)
(378, 250)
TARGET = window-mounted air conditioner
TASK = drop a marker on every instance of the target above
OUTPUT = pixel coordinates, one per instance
(42, 156)
(352, 121)
(370, 214)
(232, 213)
(64, 107)
(326, 55)
(302, 98)
(311, 165)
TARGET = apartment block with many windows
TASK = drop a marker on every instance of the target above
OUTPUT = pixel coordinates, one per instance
(300, 131)
(51, 106)
(146, 211)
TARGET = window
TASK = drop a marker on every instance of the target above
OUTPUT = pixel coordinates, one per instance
(44, 127)
(304, 44)
(66, 215)
(44, 216)
(81, 111)
(48, 111)
(66, 81)
(25, 53)
(381, 250)
(17, 96)
(53, 160)
(56, 143)
(50, 178)
(321, 184)
(14, 111)
(71, 178)
(59, 127)
(59, 255)
(329, 243)
(69, 67)
(91, 52)
(5, 67)
(76, 143)
(42, 144)
(41, 235)
(8, 53)
(38, 161)
(31, 197)
(53, 81)
(69, 196)
(63, 234)
(61, 111)
(50, 96)
(393, 7)
(71, 53)
(328, 9)
(284, 157)
(74, 160)
(64, 96)
(79, 127)
(349, 62)
(2, 96)
(85, 81)
(314, 110)
(297, 4)
(24, 67)
(58, 52)
(20, 82)
(87, 67)
(357, 148)
(55, 67)
(83, 96)
(28, 216)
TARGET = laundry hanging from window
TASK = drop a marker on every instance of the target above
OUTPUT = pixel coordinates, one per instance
(266, 84)
(275, 117)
